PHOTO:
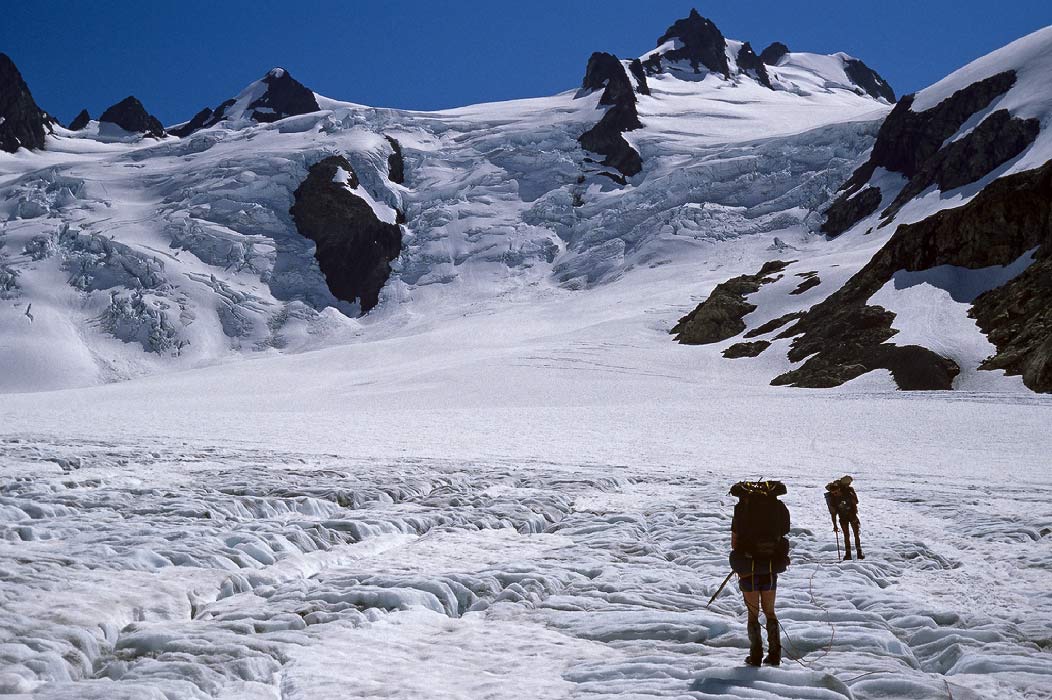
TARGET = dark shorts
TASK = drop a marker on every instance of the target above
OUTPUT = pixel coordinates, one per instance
(758, 582)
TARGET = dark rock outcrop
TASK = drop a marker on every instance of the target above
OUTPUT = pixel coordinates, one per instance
(720, 316)
(130, 115)
(198, 122)
(739, 350)
(868, 79)
(749, 62)
(285, 97)
(908, 140)
(702, 44)
(847, 211)
(810, 281)
(80, 121)
(773, 325)
(22, 123)
(773, 53)
(1017, 319)
(639, 73)
(395, 162)
(843, 337)
(999, 138)
(607, 72)
(354, 248)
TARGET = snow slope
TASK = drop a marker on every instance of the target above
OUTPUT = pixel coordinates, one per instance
(505, 480)
(142, 257)
(541, 511)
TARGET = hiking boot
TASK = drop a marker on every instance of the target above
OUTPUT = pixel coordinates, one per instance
(861, 555)
(847, 557)
(774, 644)
(755, 644)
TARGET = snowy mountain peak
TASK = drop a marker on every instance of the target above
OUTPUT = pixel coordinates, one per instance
(694, 48)
(695, 40)
(131, 116)
(275, 96)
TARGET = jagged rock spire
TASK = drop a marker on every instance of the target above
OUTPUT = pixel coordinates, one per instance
(22, 123)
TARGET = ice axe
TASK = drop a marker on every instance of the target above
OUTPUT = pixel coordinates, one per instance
(838, 557)
(720, 589)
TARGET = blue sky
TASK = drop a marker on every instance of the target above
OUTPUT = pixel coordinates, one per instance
(180, 56)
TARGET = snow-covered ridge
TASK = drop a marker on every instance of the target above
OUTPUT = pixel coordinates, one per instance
(500, 203)
(950, 200)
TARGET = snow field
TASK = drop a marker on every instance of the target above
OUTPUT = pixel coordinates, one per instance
(189, 570)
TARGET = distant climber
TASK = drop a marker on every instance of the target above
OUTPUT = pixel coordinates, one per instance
(759, 552)
(842, 502)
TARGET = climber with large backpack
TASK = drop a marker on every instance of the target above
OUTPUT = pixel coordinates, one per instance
(759, 552)
(842, 502)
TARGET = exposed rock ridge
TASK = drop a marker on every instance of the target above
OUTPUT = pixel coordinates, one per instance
(605, 71)
(22, 123)
(773, 53)
(845, 338)
(699, 41)
(868, 79)
(199, 121)
(130, 115)
(395, 162)
(283, 97)
(908, 140)
(80, 121)
(751, 65)
(999, 138)
(720, 316)
(354, 248)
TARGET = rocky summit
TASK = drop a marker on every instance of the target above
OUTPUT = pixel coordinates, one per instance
(130, 115)
(22, 123)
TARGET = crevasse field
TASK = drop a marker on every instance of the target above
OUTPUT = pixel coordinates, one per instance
(507, 481)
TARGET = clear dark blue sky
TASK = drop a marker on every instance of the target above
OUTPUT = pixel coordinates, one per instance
(182, 55)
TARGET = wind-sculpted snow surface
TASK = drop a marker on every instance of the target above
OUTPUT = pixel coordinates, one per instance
(150, 570)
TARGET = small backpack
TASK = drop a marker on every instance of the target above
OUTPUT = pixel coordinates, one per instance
(844, 501)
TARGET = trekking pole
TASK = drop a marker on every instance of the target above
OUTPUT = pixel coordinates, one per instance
(837, 533)
(720, 589)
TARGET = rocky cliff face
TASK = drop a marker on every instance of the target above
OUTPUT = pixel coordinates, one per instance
(80, 121)
(354, 247)
(22, 123)
(130, 115)
(843, 336)
(699, 42)
(606, 72)
(980, 142)
(751, 64)
(868, 79)
(275, 96)
(720, 316)
(773, 53)
(910, 143)
(199, 121)
(284, 97)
